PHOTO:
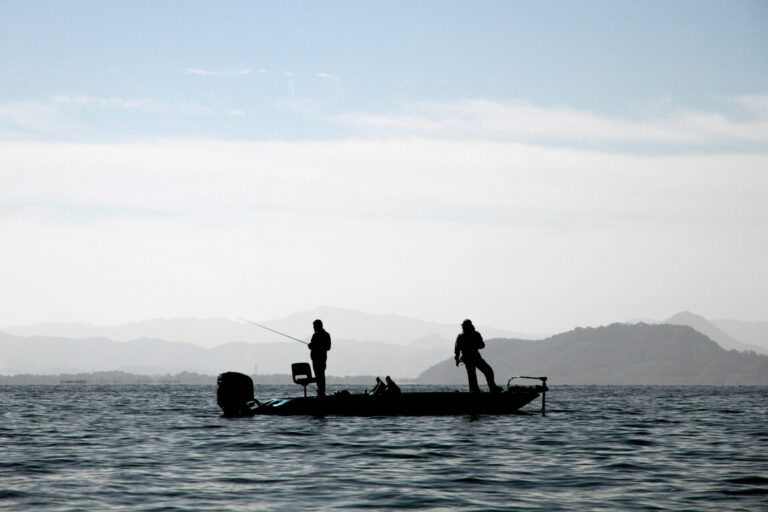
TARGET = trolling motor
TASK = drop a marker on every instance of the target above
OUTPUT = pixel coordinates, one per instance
(234, 394)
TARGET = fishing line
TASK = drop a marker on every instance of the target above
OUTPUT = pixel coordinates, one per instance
(276, 332)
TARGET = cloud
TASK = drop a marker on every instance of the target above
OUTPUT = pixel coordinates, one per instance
(470, 181)
(740, 125)
(518, 235)
(322, 75)
(146, 105)
(515, 121)
(132, 104)
(25, 118)
(754, 104)
(68, 118)
(221, 72)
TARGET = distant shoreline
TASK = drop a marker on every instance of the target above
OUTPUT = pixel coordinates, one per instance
(183, 378)
(197, 379)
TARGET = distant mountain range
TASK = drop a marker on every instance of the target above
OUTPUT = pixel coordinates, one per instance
(721, 336)
(49, 355)
(363, 344)
(341, 323)
(753, 333)
(616, 354)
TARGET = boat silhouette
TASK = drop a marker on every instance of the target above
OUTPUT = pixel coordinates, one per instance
(235, 397)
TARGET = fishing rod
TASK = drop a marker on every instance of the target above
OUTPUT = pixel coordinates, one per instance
(276, 332)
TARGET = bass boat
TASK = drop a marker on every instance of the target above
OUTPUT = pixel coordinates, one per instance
(236, 398)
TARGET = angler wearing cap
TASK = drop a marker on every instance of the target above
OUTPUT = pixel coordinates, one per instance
(319, 346)
(468, 345)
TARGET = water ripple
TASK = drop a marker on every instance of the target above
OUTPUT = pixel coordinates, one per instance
(598, 448)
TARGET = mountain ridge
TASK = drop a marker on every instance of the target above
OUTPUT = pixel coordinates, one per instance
(211, 332)
(616, 354)
(45, 354)
(711, 330)
(754, 333)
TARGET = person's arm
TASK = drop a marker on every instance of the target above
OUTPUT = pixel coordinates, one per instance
(457, 350)
(479, 341)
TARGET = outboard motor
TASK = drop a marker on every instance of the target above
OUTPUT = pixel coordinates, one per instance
(235, 394)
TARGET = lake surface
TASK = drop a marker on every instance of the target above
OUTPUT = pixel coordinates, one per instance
(82, 447)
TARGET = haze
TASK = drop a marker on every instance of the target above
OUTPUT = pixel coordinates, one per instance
(532, 167)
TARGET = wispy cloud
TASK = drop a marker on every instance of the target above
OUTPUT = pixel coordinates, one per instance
(741, 124)
(755, 104)
(523, 122)
(127, 104)
(147, 105)
(330, 80)
(28, 117)
(219, 72)
(67, 118)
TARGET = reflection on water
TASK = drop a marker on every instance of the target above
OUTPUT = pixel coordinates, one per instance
(598, 448)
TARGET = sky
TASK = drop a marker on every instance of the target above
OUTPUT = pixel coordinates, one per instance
(534, 166)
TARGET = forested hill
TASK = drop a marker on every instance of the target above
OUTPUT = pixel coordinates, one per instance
(616, 354)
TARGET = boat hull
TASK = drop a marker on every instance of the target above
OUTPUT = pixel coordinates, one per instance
(405, 404)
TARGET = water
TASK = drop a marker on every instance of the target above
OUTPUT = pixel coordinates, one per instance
(598, 448)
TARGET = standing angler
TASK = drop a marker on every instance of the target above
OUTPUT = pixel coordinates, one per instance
(468, 345)
(319, 347)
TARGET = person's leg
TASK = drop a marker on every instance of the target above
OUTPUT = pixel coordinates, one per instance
(472, 377)
(488, 372)
(319, 368)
